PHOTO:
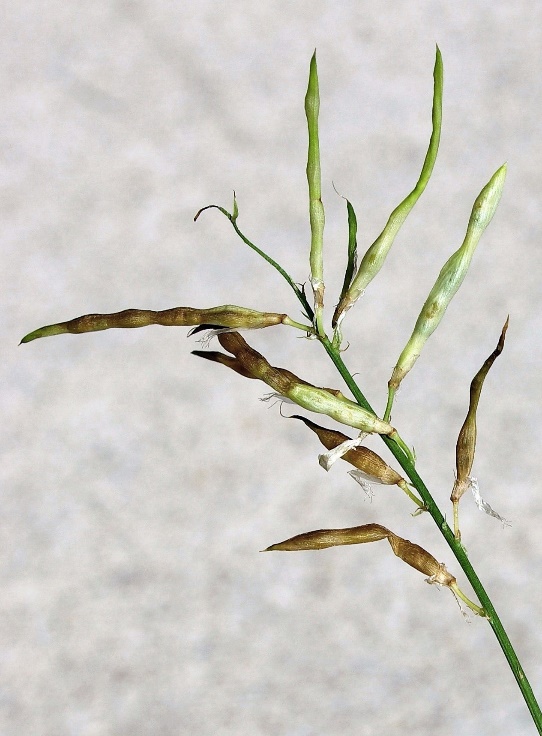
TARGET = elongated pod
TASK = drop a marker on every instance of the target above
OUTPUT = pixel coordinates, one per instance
(227, 315)
(449, 280)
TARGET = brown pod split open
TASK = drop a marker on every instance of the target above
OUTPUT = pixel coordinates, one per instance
(228, 360)
(360, 457)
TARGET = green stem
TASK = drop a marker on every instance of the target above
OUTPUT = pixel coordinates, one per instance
(389, 405)
(454, 544)
(289, 322)
(233, 219)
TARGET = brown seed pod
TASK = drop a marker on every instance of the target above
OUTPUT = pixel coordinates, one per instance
(421, 560)
(227, 360)
(280, 379)
(411, 553)
(466, 441)
(360, 457)
(323, 538)
(286, 383)
(227, 315)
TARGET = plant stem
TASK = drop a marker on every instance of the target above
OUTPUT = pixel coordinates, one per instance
(454, 544)
(298, 292)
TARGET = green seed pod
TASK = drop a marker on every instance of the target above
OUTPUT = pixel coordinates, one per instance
(450, 278)
(316, 208)
(374, 258)
(228, 315)
(286, 383)
(344, 411)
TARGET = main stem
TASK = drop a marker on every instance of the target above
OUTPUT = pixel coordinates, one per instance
(454, 544)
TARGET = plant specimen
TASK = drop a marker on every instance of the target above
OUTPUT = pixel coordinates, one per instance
(226, 322)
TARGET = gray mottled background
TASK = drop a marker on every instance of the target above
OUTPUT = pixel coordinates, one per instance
(138, 483)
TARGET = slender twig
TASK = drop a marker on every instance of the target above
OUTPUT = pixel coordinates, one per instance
(285, 275)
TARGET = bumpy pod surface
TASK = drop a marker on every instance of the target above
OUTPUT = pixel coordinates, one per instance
(286, 383)
(227, 315)
(450, 277)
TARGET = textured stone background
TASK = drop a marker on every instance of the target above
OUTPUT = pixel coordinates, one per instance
(138, 483)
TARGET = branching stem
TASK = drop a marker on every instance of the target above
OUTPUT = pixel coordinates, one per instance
(454, 544)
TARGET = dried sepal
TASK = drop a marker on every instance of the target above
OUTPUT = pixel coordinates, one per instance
(329, 458)
(227, 315)
(483, 505)
(414, 555)
(466, 441)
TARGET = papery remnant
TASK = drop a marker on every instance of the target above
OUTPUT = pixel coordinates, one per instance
(369, 465)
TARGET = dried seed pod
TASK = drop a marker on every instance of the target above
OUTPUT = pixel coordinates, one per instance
(227, 315)
(370, 467)
(466, 441)
(323, 538)
(421, 560)
(449, 280)
(362, 458)
(280, 379)
(286, 383)
(411, 553)
(227, 360)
